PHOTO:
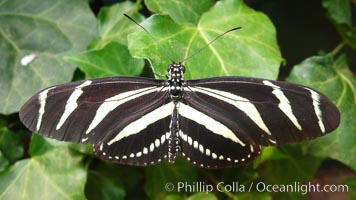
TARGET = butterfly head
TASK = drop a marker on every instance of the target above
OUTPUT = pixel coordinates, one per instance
(175, 78)
(176, 69)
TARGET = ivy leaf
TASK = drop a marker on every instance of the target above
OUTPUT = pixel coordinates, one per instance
(173, 197)
(180, 11)
(34, 36)
(10, 144)
(298, 166)
(255, 195)
(339, 12)
(56, 174)
(159, 175)
(351, 183)
(333, 78)
(40, 145)
(104, 182)
(108, 55)
(251, 51)
(205, 196)
(112, 60)
(3, 162)
(271, 153)
(114, 26)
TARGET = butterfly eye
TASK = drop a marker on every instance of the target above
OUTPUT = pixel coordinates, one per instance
(182, 68)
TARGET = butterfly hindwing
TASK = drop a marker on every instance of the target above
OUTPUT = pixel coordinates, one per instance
(141, 138)
(210, 139)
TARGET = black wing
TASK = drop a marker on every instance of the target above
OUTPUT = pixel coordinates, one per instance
(250, 112)
(96, 111)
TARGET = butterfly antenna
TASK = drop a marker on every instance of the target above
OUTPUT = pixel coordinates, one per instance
(204, 47)
(153, 38)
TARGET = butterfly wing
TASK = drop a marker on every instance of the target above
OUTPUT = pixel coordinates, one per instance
(240, 114)
(101, 112)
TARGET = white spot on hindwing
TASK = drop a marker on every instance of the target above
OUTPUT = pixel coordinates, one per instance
(101, 147)
(207, 152)
(152, 147)
(139, 154)
(195, 144)
(201, 148)
(145, 150)
(214, 155)
(157, 143)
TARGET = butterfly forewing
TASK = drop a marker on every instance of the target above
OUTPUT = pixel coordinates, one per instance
(95, 111)
(268, 112)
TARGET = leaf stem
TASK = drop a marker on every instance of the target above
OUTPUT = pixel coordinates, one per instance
(87, 163)
(337, 49)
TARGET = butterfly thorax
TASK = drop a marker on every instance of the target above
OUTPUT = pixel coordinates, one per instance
(175, 80)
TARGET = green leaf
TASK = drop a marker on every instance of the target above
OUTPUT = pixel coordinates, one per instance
(270, 153)
(348, 34)
(351, 185)
(251, 51)
(333, 78)
(10, 144)
(254, 195)
(112, 60)
(174, 197)
(180, 11)
(114, 26)
(298, 167)
(104, 183)
(158, 176)
(40, 145)
(244, 175)
(3, 162)
(56, 174)
(46, 30)
(339, 12)
(202, 196)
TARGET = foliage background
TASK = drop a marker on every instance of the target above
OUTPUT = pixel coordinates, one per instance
(78, 39)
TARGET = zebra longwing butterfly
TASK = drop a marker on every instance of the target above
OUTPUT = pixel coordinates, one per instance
(213, 122)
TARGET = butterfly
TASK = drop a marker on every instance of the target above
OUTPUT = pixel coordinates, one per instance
(213, 122)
